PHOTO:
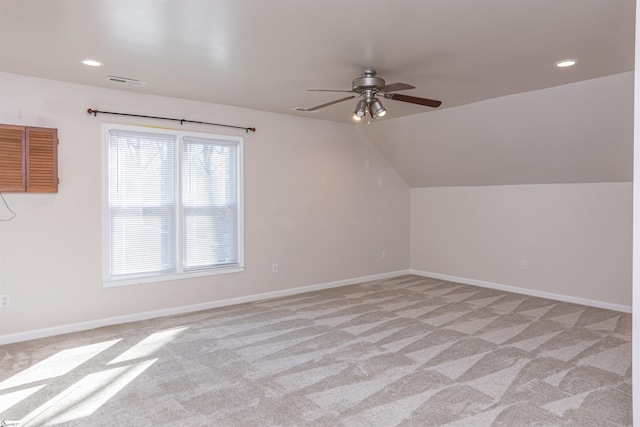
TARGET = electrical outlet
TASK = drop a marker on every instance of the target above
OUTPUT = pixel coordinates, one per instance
(274, 267)
(5, 301)
(523, 264)
(383, 254)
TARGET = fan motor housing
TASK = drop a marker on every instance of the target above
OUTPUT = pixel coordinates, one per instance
(367, 81)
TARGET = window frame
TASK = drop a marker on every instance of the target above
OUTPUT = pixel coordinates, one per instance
(179, 249)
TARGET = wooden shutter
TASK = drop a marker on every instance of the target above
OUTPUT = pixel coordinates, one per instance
(12, 158)
(42, 160)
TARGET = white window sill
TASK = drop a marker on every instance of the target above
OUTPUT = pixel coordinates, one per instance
(110, 283)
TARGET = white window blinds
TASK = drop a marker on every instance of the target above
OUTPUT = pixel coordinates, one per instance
(209, 202)
(141, 203)
(173, 203)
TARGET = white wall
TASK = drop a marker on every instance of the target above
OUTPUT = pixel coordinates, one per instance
(319, 200)
(636, 227)
(576, 238)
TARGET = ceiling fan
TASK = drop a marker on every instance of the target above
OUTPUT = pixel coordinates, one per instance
(370, 87)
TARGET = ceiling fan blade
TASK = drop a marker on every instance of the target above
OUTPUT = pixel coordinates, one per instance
(396, 86)
(328, 90)
(317, 107)
(413, 100)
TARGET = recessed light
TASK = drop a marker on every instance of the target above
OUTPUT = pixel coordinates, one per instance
(566, 63)
(91, 62)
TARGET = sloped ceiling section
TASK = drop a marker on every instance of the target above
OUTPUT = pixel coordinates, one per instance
(576, 133)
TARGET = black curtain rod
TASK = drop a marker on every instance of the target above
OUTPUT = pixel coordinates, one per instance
(182, 121)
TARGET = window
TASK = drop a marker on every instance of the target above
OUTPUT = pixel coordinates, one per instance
(173, 205)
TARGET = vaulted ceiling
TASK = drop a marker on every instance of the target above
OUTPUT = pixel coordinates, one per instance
(265, 54)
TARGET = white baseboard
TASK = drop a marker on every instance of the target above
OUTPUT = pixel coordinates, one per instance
(524, 291)
(98, 323)
(83, 326)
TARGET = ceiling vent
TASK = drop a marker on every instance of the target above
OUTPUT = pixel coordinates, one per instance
(126, 81)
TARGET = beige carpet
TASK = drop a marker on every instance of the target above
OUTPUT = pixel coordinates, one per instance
(408, 351)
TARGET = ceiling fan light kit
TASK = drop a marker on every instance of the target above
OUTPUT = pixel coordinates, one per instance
(376, 108)
(360, 111)
(369, 87)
